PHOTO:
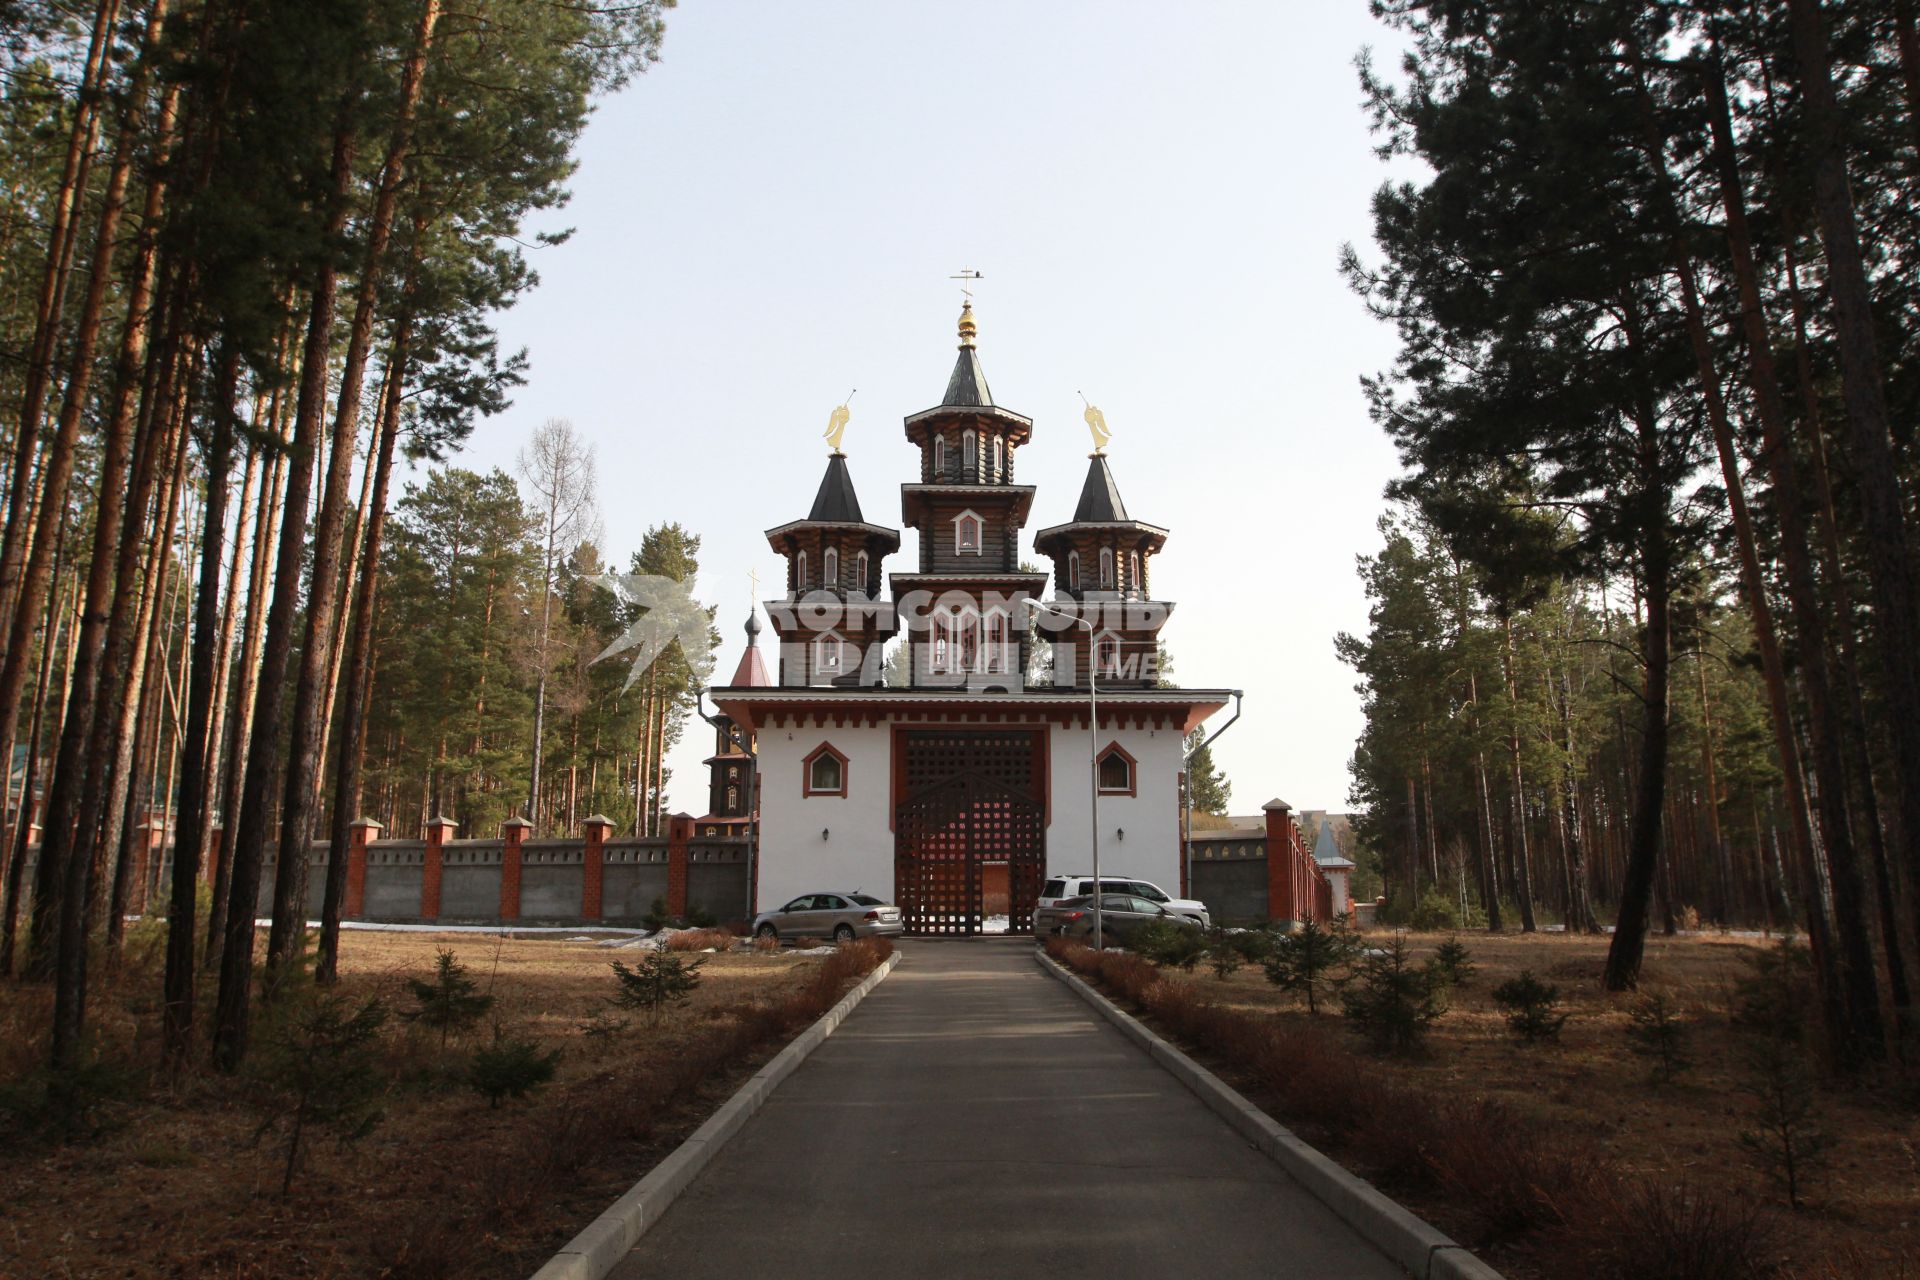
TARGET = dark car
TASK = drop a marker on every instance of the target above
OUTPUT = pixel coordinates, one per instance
(1122, 916)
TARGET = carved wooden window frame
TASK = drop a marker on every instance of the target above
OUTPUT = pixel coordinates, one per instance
(807, 788)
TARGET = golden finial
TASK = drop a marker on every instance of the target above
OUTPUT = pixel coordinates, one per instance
(1096, 423)
(837, 422)
(966, 278)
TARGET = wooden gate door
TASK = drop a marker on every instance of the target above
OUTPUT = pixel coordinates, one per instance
(949, 826)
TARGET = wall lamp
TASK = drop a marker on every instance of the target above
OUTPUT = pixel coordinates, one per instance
(823, 833)
(1121, 834)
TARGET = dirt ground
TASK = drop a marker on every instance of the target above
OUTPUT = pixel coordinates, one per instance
(1862, 1212)
(177, 1181)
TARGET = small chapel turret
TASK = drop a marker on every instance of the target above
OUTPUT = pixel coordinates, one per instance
(1102, 559)
(833, 560)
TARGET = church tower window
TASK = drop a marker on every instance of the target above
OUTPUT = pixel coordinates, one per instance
(969, 454)
(1073, 571)
(939, 458)
(826, 655)
(996, 636)
(733, 797)
(1116, 771)
(942, 642)
(999, 458)
(969, 643)
(860, 571)
(1106, 568)
(966, 533)
(1106, 655)
(830, 568)
(800, 571)
(1133, 572)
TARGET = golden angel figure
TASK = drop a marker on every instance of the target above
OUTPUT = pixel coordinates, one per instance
(837, 425)
(1097, 423)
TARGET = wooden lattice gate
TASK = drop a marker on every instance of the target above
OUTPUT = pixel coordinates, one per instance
(971, 798)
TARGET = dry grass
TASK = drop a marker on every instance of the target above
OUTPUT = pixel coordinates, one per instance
(172, 1182)
(1563, 1159)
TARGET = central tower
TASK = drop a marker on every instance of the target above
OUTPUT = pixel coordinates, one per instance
(963, 612)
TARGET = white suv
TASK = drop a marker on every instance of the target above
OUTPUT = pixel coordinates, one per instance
(1058, 887)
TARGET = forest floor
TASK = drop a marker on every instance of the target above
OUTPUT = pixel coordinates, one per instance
(175, 1178)
(1861, 1213)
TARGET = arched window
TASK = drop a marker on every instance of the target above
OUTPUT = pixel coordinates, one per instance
(942, 642)
(826, 655)
(969, 454)
(830, 568)
(966, 533)
(1133, 572)
(1073, 570)
(1106, 655)
(733, 797)
(1116, 771)
(1106, 568)
(823, 772)
(939, 457)
(860, 572)
(997, 658)
(800, 571)
(969, 627)
(999, 459)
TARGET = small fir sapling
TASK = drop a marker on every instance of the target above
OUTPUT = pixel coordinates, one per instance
(1391, 1000)
(1532, 1006)
(319, 1057)
(511, 1067)
(1224, 957)
(1770, 1005)
(1174, 945)
(1453, 962)
(451, 1002)
(1304, 960)
(1657, 1031)
(658, 979)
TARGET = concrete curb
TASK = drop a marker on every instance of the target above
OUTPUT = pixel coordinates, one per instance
(611, 1236)
(1421, 1248)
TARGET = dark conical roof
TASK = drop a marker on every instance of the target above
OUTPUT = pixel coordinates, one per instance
(836, 502)
(1099, 496)
(967, 388)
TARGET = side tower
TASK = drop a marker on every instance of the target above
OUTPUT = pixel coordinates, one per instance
(963, 611)
(1102, 561)
(730, 800)
(831, 627)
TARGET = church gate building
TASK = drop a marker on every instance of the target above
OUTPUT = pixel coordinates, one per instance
(954, 778)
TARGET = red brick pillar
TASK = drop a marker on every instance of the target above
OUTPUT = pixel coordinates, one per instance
(438, 832)
(513, 834)
(1281, 902)
(679, 832)
(364, 833)
(593, 866)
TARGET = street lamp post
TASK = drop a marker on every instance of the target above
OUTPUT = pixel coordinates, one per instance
(1093, 753)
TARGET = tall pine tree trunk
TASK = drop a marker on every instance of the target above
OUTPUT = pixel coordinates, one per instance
(233, 1009)
(359, 663)
(202, 681)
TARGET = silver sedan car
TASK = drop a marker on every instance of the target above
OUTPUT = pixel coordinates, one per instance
(839, 916)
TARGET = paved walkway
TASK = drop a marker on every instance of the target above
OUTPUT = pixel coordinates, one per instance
(973, 1118)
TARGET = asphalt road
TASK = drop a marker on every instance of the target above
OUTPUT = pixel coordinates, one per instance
(973, 1118)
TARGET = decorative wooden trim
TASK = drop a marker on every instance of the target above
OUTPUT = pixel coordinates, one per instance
(1133, 770)
(807, 790)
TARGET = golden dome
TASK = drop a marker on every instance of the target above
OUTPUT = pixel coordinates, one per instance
(966, 324)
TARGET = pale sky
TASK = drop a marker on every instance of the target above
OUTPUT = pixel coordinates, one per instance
(1156, 196)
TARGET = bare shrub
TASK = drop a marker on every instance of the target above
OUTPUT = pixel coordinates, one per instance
(699, 940)
(1668, 1231)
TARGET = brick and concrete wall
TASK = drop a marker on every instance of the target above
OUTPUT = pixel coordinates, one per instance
(1251, 876)
(586, 879)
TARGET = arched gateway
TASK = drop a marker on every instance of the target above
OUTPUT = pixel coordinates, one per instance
(970, 834)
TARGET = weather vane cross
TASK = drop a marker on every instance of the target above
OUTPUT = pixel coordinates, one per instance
(966, 278)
